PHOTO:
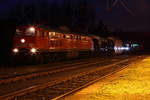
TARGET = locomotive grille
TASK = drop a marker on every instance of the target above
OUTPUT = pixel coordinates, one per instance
(24, 51)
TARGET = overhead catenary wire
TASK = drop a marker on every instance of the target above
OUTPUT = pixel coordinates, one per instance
(127, 9)
(122, 3)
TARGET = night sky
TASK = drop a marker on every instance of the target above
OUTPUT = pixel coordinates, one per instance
(116, 18)
(135, 26)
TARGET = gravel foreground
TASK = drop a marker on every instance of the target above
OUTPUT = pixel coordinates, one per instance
(132, 83)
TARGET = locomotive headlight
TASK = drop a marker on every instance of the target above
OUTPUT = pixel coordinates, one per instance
(15, 50)
(32, 29)
(23, 40)
(33, 50)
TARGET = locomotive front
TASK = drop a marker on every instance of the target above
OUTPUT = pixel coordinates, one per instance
(24, 40)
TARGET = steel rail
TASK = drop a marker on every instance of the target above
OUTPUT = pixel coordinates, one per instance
(41, 86)
(94, 81)
(44, 72)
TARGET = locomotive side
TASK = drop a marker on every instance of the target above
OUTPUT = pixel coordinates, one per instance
(45, 44)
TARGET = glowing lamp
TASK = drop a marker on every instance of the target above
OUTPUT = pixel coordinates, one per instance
(33, 50)
(23, 40)
(15, 50)
(32, 29)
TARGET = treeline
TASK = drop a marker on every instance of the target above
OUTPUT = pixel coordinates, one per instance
(73, 15)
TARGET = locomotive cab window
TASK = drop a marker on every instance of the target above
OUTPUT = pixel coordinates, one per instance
(30, 32)
(26, 32)
(18, 32)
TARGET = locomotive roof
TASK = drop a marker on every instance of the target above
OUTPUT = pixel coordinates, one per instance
(59, 30)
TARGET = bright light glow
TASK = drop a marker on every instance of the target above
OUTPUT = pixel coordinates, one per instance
(115, 48)
(67, 36)
(33, 50)
(23, 40)
(15, 50)
(135, 45)
(32, 29)
(121, 48)
(126, 48)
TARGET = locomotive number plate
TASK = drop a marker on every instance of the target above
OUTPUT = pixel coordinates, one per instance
(23, 45)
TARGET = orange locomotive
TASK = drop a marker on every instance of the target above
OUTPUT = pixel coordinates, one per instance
(35, 40)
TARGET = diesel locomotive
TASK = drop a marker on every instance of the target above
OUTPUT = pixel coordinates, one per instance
(45, 44)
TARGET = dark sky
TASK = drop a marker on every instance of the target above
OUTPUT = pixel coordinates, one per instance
(117, 17)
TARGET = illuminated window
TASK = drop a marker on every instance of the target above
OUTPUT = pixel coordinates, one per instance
(59, 35)
(76, 37)
(50, 33)
(53, 35)
(79, 37)
(68, 36)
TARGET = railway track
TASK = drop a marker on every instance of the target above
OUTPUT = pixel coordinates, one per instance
(120, 67)
(58, 87)
(13, 73)
(53, 69)
(44, 71)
